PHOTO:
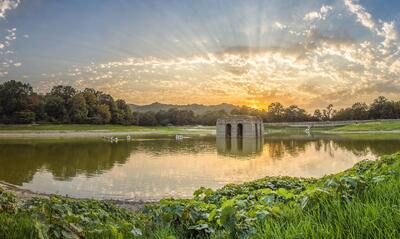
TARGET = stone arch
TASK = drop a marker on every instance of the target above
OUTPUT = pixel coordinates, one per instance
(240, 130)
(228, 130)
(256, 126)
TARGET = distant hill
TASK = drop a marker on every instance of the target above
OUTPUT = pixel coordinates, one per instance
(196, 108)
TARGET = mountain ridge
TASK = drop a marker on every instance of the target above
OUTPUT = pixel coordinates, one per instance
(196, 108)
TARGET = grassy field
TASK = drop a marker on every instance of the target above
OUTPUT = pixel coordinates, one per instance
(370, 126)
(290, 130)
(87, 130)
(362, 202)
(83, 127)
(366, 127)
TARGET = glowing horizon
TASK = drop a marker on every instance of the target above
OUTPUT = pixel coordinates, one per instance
(209, 52)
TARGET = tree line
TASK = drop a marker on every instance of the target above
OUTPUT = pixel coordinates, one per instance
(65, 104)
(380, 108)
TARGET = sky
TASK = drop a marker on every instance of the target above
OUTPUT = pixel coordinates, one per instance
(245, 52)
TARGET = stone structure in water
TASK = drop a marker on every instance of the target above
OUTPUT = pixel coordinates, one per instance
(235, 147)
(240, 126)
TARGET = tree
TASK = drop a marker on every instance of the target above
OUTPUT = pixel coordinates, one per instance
(122, 114)
(382, 108)
(65, 92)
(24, 117)
(103, 114)
(275, 112)
(78, 111)
(14, 97)
(317, 115)
(359, 111)
(147, 119)
(210, 117)
(328, 113)
(294, 113)
(162, 118)
(90, 96)
(37, 105)
(343, 114)
(55, 109)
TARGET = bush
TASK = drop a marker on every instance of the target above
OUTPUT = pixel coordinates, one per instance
(24, 117)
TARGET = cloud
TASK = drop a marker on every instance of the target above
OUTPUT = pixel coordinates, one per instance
(363, 16)
(384, 29)
(310, 64)
(6, 52)
(280, 25)
(389, 33)
(320, 15)
(6, 5)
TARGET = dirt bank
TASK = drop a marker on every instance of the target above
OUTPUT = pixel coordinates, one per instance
(25, 194)
(68, 134)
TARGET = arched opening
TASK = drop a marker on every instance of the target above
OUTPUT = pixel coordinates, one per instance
(256, 126)
(240, 130)
(260, 130)
(228, 130)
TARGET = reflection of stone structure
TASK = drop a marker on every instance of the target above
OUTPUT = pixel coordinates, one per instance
(239, 146)
(240, 126)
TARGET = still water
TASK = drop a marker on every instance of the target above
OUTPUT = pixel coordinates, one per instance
(153, 168)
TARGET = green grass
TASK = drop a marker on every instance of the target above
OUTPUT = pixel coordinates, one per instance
(373, 214)
(362, 202)
(82, 127)
(293, 130)
(105, 128)
(370, 126)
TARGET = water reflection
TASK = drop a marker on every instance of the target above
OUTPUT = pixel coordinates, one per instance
(160, 167)
(20, 161)
(240, 147)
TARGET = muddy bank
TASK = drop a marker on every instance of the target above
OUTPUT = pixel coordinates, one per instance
(92, 133)
(69, 134)
(25, 194)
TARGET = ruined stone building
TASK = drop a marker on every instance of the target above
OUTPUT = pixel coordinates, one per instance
(240, 126)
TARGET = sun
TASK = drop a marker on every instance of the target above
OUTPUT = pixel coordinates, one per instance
(257, 105)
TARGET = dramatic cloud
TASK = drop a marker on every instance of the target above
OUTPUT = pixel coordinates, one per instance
(310, 55)
(310, 75)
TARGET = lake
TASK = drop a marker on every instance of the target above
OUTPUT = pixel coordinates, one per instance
(156, 167)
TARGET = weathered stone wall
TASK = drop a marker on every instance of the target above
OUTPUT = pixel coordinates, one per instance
(252, 126)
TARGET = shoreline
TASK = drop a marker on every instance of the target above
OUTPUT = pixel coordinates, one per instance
(99, 133)
(26, 194)
(88, 134)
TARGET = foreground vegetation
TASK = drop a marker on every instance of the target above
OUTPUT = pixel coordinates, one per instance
(362, 202)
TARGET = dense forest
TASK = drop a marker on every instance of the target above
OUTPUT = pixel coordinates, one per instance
(19, 104)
